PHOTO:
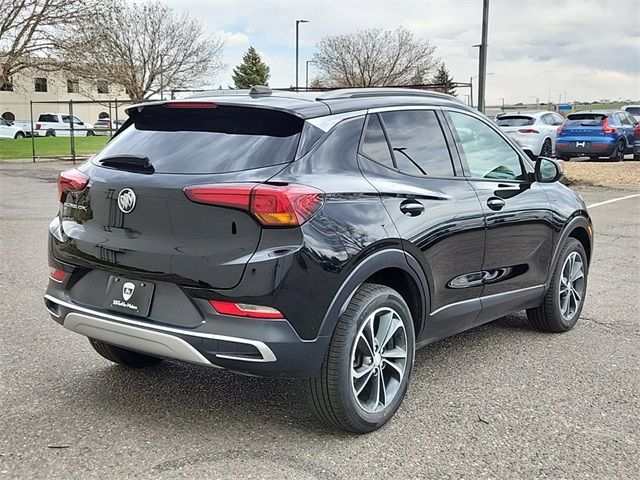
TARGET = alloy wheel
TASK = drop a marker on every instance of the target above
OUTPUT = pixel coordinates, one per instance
(572, 285)
(378, 360)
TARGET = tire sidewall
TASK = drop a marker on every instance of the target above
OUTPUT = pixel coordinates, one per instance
(365, 420)
(572, 245)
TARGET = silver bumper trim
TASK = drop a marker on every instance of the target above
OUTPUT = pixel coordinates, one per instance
(266, 353)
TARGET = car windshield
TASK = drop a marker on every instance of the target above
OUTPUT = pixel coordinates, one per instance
(586, 119)
(515, 121)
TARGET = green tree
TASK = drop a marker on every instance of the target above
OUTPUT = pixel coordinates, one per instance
(443, 79)
(252, 71)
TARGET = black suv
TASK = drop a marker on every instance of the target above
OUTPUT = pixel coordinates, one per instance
(322, 236)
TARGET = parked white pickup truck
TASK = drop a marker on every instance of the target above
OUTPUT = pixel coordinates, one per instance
(56, 125)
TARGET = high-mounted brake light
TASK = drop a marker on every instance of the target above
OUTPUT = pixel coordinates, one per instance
(528, 130)
(71, 181)
(246, 310)
(191, 105)
(271, 205)
(606, 128)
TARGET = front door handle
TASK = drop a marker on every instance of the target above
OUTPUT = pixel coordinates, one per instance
(495, 203)
(413, 208)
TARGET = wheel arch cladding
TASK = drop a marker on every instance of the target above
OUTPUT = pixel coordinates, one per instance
(385, 267)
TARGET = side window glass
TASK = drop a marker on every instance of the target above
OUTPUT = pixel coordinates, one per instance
(417, 143)
(66, 119)
(375, 144)
(622, 118)
(487, 153)
(559, 119)
(548, 119)
(632, 121)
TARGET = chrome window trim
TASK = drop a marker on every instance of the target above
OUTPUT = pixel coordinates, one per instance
(265, 351)
(327, 122)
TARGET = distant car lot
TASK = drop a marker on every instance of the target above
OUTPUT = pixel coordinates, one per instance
(500, 401)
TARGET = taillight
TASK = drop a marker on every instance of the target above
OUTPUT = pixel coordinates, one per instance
(71, 181)
(561, 127)
(57, 275)
(38, 126)
(636, 132)
(606, 128)
(271, 205)
(246, 310)
(528, 130)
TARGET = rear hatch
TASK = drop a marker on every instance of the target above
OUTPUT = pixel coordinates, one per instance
(585, 126)
(515, 123)
(165, 236)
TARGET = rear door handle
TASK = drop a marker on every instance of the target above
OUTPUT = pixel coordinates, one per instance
(495, 203)
(413, 208)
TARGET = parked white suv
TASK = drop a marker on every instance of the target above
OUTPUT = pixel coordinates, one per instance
(7, 130)
(633, 110)
(534, 131)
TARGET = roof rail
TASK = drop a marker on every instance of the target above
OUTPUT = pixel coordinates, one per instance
(382, 92)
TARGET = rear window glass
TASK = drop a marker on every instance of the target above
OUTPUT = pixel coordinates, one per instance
(47, 118)
(514, 121)
(633, 110)
(586, 119)
(209, 140)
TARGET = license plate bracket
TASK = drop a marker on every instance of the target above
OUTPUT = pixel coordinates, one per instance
(132, 297)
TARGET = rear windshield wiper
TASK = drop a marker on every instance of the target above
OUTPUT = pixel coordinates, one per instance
(131, 163)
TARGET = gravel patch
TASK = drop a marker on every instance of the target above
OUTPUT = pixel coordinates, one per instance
(602, 173)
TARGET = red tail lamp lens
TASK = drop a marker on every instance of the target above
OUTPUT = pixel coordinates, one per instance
(71, 181)
(608, 129)
(271, 205)
(528, 130)
(246, 310)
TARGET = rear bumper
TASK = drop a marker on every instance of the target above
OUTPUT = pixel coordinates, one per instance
(252, 347)
(599, 148)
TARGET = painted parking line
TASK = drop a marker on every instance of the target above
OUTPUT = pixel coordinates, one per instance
(606, 202)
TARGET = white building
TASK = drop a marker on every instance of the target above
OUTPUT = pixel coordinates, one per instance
(40, 86)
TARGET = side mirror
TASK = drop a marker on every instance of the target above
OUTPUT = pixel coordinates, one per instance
(547, 170)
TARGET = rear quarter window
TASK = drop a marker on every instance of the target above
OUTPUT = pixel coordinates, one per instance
(208, 140)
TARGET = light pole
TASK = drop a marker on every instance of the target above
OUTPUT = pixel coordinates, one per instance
(482, 68)
(298, 22)
(306, 75)
(471, 83)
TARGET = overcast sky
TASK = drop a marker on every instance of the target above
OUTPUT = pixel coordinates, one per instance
(537, 48)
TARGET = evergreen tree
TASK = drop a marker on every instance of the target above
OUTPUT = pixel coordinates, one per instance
(442, 77)
(252, 71)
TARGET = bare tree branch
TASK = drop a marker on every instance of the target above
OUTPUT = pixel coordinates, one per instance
(373, 58)
(30, 30)
(145, 48)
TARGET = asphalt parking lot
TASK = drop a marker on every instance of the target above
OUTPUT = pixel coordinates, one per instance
(500, 401)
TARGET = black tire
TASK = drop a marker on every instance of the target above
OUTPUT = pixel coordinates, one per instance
(547, 149)
(50, 133)
(19, 135)
(332, 393)
(565, 158)
(91, 133)
(549, 317)
(618, 152)
(594, 158)
(122, 356)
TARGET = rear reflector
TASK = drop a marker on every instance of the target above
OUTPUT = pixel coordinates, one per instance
(246, 310)
(191, 105)
(528, 130)
(57, 275)
(271, 205)
(71, 181)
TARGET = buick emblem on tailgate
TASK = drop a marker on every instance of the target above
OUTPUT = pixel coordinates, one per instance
(126, 200)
